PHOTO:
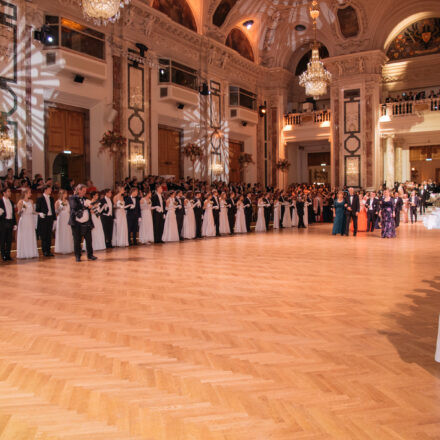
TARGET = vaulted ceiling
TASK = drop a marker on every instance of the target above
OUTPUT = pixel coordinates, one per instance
(282, 29)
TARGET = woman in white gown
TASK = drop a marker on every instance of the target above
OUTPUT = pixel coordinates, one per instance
(98, 237)
(120, 228)
(240, 219)
(208, 225)
(276, 213)
(293, 212)
(63, 231)
(432, 221)
(189, 222)
(146, 231)
(224, 222)
(287, 221)
(26, 235)
(306, 211)
(261, 222)
(170, 229)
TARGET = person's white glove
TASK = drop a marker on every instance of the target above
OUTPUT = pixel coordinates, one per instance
(14, 228)
(42, 215)
(2, 211)
(87, 203)
(139, 220)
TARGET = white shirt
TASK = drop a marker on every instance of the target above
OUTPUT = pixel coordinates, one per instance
(351, 199)
(370, 208)
(8, 208)
(133, 199)
(110, 206)
(85, 217)
(160, 200)
(49, 208)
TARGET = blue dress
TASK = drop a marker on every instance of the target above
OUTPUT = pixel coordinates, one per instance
(339, 221)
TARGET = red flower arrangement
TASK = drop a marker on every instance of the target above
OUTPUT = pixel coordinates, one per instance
(245, 159)
(192, 152)
(112, 143)
(283, 165)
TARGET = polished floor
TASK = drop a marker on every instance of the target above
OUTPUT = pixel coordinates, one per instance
(284, 335)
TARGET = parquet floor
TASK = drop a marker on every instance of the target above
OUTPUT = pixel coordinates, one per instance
(277, 336)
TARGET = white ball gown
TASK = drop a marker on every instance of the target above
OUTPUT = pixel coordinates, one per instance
(63, 231)
(208, 225)
(240, 219)
(120, 228)
(432, 221)
(261, 222)
(170, 230)
(189, 222)
(224, 222)
(276, 214)
(26, 235)
(287, 221)
(146, 231)
(294, 214)
(98, 237)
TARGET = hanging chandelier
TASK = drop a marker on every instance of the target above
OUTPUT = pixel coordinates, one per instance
(316, 78)
(7, 147)
(102, 12)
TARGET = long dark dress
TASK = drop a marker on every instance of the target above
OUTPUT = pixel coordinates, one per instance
(339, 222)
(388, 223)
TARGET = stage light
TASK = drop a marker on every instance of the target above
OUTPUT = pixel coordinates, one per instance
(248, 24)
(44, 35)
(262, 110)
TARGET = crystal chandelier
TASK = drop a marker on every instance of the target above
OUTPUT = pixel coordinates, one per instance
(7, 147)
(102, 12)
(316, 78)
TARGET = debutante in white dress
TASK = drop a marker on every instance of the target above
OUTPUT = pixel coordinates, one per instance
(240, 219)
(287, 220)
(146, 231)
(63, 231)
(306, 213)
(224, 222)
(294, 214)
(98, 237)
(208, 225)
(120, 227)
(261, 221)
(276, 214)
(189, 222)
(26, 235)
(170, 230)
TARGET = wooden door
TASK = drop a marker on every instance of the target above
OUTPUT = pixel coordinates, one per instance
(75, 169)
(169, 151)
(235, 172)
(75, 132)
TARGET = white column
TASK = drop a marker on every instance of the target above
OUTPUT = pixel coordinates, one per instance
(398, 163)
(389, 162)
(406, 165)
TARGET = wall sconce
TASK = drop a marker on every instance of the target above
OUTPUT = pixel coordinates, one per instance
(138, 161)
(262, 110)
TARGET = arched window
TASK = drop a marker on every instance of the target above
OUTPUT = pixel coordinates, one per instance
(302, 65)
(178, 10)
(420, 38)
(238, 41)
(222, 12)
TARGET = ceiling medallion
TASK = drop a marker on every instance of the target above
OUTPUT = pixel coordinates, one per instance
(102, 12)
(316, 78)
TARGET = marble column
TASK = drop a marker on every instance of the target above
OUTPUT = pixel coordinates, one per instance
(389, 161)
(398, 163)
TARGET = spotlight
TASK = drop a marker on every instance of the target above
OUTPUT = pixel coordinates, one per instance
(248, 24)
(262, 110)
(204, 89)
(244, 123)
(45, 35)
(78, 79)
(180, 106)
(142, 49)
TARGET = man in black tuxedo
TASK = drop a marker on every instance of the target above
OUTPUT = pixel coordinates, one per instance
(372, 206)
(267, 209)
(180, 212)
(351, 211)
(248, 211)
(398, 205)
(232, 210)
(282, 200)
(133, 210)
(300, 212)
(414, 202)
(216, 211)
(424, 196)
(158, 207)
(45, 208)
(81, 222)
(107, 217)
(8, 223)
(198, 213)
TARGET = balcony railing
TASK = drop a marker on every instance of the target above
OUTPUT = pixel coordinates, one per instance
(405, 108)
(317, 117)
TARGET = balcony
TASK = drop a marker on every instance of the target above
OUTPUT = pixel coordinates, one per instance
(410, 116)
(307, 126)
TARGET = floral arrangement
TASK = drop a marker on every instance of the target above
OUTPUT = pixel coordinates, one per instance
(245, 159)
(283, 165)
(112, 143)
(192, 152)
(3, 124)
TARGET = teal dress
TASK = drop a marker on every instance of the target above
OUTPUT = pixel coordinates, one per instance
(339, 221)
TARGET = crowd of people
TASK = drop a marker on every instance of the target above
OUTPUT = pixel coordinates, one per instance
(157, 210)
(413, 96)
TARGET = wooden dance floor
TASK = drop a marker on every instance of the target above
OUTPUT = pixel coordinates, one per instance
(278, 336)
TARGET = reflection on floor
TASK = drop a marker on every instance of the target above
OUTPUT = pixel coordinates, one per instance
(285, 335)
